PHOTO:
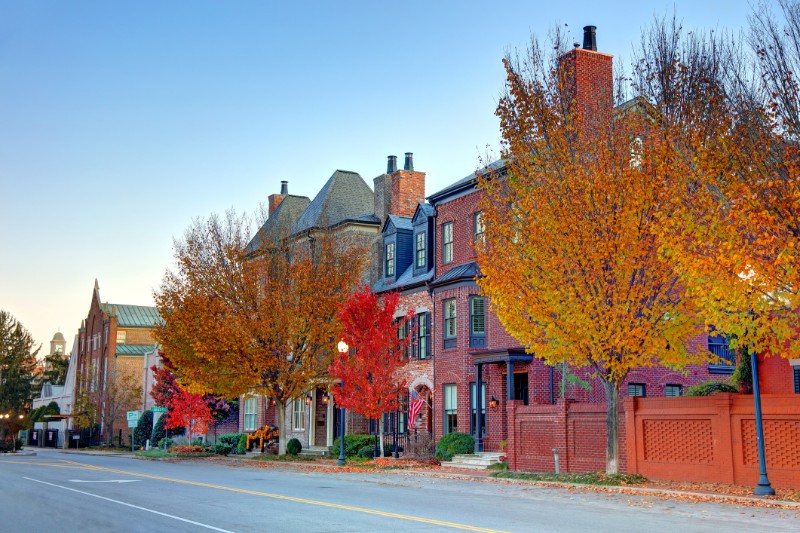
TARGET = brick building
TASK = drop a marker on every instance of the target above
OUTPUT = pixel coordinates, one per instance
(473, 350)
(347, 206)
(112, 343)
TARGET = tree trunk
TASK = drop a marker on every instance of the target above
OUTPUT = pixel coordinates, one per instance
(281, 405)
(380, 433)
(612, 427)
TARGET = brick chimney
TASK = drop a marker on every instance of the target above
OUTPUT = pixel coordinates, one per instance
(274, 200)
(589, 79)
(407, 189)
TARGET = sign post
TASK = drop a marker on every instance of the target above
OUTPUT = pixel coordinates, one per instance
(133, 421)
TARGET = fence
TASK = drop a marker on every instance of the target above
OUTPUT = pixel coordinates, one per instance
(713, 439)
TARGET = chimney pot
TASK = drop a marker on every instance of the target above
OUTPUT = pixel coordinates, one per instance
(409, 164)
(590, 38)
(391, 167)
(284, 188)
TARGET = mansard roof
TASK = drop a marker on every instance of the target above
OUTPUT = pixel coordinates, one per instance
(464, 185)
(345, 196)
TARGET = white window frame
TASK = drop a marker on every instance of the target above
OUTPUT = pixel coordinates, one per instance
(250, 413)
(298, 415)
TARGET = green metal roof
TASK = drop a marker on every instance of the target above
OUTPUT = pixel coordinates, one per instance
(134, 349)
(134, 316)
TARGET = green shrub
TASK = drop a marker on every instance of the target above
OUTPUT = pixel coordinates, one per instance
(710, 388)
(165, 443)
(241, 448)
(352, 444)
(293, 447)
(10, 445)
(232, 440)
(144, 429)
(367, 452)
(222, 448)
(453, 444)
(158, 430)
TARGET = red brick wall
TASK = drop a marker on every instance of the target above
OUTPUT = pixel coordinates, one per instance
(577, 430)
(273, 201)
(712, 439)
(590, 81)
(775, 375)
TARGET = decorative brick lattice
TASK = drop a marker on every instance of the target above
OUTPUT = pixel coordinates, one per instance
(678, 441)
(781, 439)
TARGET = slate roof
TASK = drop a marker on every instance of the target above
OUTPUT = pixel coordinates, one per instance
(465, 183)
(426, 209)
(466, 271)
(400, 222)
(281, 222)
(135, 349)
(406, 279)
(345, 196)
(134, 316)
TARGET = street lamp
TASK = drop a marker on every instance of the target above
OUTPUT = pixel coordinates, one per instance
(342, 347)
(764, 487)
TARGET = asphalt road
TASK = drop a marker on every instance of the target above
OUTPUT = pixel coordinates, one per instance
(57, 492)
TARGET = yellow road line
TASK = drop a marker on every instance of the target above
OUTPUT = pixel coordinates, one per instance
(56, 465)
(365, 510)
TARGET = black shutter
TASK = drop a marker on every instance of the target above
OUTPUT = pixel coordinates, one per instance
(796, 379)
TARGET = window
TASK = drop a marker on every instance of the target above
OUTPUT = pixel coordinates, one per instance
(402, 333)
(472, 402)
(796, 371)
(636, 389)
(423, 336)
(718, 345)
(447, 242)
(450, 323)
(389, 259)
(250, 405)
(673, 390)
(420, 250)
(477, 322)
(400, 417)
(121, 336)
(450, 412)
(479, 227)
(299, 413)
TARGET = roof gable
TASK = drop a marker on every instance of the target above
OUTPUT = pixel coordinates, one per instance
(422, 213)
(280, 224)
(395, 222)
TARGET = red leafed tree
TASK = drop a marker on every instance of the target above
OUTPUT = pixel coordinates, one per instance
(369, 369)
(190, 411)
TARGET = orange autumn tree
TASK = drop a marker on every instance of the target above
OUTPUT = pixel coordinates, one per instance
(369, 369)
(239, 320)
(736, 238)
(571, 258)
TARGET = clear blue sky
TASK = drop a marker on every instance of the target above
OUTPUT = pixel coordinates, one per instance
(122, 121)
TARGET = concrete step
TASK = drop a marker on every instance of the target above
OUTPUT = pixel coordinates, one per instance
(477, 461)
(315, 451)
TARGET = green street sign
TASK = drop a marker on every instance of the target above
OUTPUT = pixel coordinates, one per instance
(159, 409)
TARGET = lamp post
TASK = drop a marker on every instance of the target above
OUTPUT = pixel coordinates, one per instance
(342, 347)
(764, 487)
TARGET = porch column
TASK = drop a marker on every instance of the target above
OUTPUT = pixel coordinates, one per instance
(312, 419)
(329, 422)
(478, 408)
(509, 380)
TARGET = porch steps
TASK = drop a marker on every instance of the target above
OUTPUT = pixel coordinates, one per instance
(478, 461)
(315, 451)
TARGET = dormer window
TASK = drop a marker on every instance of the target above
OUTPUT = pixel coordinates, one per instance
(419, 247)
(389, 259)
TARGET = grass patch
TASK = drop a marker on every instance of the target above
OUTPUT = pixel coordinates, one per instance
(283, 458)
(589, 478)
(503, 467)
(155, 453)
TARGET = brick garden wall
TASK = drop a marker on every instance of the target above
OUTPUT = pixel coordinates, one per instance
(712, 439)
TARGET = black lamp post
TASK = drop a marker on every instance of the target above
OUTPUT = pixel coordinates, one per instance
(764, 487)
(342, 346)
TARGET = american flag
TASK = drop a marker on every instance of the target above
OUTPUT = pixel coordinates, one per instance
(414, 407)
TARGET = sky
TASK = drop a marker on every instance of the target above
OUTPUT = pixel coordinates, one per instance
(120, 122)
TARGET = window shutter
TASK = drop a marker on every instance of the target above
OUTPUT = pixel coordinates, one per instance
(796, 379)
